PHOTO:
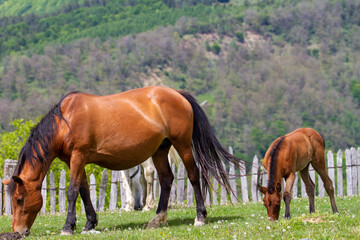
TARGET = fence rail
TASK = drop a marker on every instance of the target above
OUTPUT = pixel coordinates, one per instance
(346, 180)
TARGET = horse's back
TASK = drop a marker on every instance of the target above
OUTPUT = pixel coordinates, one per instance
(297, 149)
(129, 125)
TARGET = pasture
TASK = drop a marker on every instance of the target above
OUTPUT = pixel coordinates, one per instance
(239, 221)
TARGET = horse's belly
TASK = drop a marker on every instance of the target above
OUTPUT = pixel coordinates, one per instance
(124, 156)
(302, 162)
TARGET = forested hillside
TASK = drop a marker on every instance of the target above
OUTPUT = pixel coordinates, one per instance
(264, 67)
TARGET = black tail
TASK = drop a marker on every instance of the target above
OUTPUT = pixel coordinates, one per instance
(209, 153)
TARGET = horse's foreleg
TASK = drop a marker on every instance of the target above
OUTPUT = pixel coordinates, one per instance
(166, 177)
(77, 175)
(91, 217)
(287, 194)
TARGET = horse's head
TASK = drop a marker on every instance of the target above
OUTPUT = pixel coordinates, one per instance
(26, 202)
(272, 201)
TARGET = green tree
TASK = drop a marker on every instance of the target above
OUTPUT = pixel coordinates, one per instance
(12, 142)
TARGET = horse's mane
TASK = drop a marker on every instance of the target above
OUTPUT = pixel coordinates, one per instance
(273, 157)
(37, 146)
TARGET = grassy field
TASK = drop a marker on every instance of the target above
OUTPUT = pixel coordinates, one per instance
(241, 221)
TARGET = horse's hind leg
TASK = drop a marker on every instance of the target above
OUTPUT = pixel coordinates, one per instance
(91, 217)
(319, 165)
(310, 187)
(186, 155)
(166, 177)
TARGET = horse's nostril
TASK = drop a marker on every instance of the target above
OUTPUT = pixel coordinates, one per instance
(27, 232)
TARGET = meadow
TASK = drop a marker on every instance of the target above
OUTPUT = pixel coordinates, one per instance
(239, 221)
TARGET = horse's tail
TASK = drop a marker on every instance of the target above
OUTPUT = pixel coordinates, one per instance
(323, 139)
(209, 153)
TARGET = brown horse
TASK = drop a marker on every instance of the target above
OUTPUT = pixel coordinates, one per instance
(117, 132)
(287, 155)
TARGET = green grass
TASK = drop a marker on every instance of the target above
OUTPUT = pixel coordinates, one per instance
(241, 221)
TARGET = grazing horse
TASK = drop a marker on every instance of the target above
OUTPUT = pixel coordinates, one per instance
(287, 155)
(139, 191)
(117, 132)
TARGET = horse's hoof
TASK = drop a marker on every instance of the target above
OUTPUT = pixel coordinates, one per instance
(159, 219)
(66, 233)
(92, 231)
(153, 224)
(199, 223)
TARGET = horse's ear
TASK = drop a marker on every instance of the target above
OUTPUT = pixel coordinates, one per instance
(6, 182)
(262, 189)
(18, 180)
(278, 187)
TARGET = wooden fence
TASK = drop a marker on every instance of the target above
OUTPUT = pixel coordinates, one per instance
(346, 179)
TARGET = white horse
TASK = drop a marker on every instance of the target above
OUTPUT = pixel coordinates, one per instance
(139, 185)
(139, 188)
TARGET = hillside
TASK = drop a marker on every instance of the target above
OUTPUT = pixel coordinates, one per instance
(265, 67)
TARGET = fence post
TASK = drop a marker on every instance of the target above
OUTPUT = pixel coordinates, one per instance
(189, 193)
(122, 190)
(102, 192)
(157, 186)
(232, 179)
(354, 170)
(62, 194)
(331, 167)
(348, 173)
(303, 189)
(9, 168)
(295, 186)
(93, 190)
(115, 175)
(44, 193)
(254, 172)
(82, 205)
(180, 183)
(214, 192)
(172, 192)
(244, 185)
(223, 193)
(52, 192)
(207, 197)
(339, 173)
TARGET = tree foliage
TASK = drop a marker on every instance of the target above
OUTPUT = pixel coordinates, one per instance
(276, 65)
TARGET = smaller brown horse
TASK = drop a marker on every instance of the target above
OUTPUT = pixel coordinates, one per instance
(287, 155)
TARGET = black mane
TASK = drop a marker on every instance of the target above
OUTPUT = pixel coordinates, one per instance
(37, 147)
(273, 161)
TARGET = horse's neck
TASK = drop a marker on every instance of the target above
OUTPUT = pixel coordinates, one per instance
(278, 175)
(35, 173)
